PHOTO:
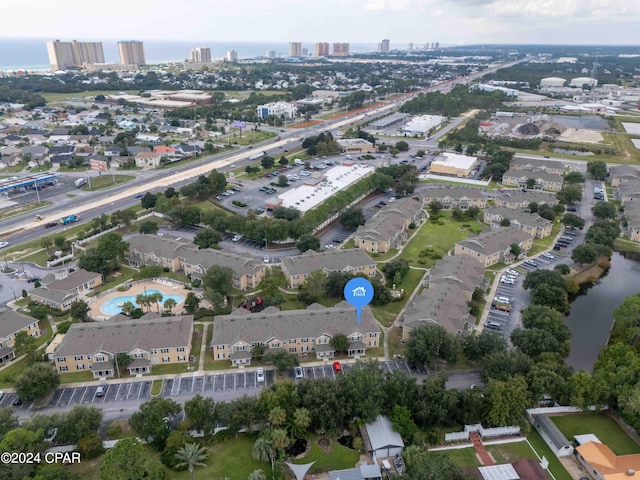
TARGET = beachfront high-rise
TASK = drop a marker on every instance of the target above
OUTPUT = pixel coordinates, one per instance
(73, 54)
(200, 55)
(131, 52)
(340, 50)
(322, 49)
(295, 49)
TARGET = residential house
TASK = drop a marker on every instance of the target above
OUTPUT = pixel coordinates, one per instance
(114, 151)
(520, 199)
(389, 228)
(543, 180)
(148, 160)
(296, 268)
(60, 290)
(454, 197)
(35, 153)
(619, 172)
(528, 222)
(494, 246)
(11, 323)
(164, 150)
(148, 340)
(603, 464)
(443, 304)
(301, 332)
(535, 165)
(150, 250)
(186, 149)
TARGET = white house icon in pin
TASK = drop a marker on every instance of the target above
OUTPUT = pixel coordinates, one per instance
(359, 292)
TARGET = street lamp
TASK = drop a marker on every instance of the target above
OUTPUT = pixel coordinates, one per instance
(14, 294)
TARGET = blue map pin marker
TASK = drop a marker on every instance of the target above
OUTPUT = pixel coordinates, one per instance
(359, 293)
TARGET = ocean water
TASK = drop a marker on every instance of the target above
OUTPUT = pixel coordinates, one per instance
(31, 54)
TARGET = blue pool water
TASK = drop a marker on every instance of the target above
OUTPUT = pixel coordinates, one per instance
(110, 307)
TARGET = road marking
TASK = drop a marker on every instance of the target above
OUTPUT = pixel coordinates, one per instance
(61, 395)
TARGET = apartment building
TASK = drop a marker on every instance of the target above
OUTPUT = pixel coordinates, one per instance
(494, 246)
(389, 228)
(200, 55)
(148, 159)
(131, 52)
(297, 268)
(148, 341)
(528, 222)
(463, 270)
(628, 192)
(322, 49)
(61, 289)
(299, 332)
(11, 323)
(180, 257)
(453, 197)
(295, 49)
(520, 199)
(340, 50)
(63, 55)
(618, 173)
(535, 165)
(543, 180)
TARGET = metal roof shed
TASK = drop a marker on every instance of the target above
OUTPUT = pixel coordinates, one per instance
(385, 441)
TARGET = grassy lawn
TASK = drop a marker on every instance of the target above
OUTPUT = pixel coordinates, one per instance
(379, 257)
(196, 340)
(512, 452)
(542, 244)
(170, 368)
(601, 425)
(156, 387)
(53, 97)
(125, 273)
(106, 181)
(624, 245)
(440, 237)
(74, 377)
(395, 347)
(465, 458)
(555, 467)
(386, 314)
(40, 258)
(338, 457)
(249, 137)
(14, 168)
(11, 212)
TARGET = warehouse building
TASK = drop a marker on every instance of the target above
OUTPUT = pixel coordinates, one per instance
(453, 165)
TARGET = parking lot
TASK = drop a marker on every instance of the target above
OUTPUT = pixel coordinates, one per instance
(184, 386)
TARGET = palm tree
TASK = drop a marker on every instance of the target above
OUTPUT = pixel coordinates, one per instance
(191, 455)
(46, 243)
(263, 450)
(301, 421)
(257, 475)
(143, 300)
(169, 303)
(156, 298)
(277, 416)
(127, 308)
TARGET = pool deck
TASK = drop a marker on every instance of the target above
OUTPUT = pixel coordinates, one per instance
(170, 288)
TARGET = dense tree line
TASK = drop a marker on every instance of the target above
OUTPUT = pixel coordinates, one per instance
(459, 100)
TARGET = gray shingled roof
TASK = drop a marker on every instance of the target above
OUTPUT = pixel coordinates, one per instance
(330, 261)
(535, 164)
(283, 325)
(52, 295)
(126, 336)
(538, 175)
(73, 281)
(443, 304)
(208, 257)
(520, 216)
(629, 186)
(388, 222)
(442, 192)
(162, 247)
(12, 322)
(623, 170)
(497, 240)
(464, 269)
(525, 198)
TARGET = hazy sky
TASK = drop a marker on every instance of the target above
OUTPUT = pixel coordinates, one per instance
(593, 22)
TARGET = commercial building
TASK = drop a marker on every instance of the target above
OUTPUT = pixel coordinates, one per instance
(200, 55)
(322, 49)
(61, 289)
(289, 110)
(579, 82)
(556, 82)
(422, 124)
(340, 50)
(297, 268)
(149, 340)
(453, 165)
(295, 49)
(383, 46)
(12, 323)
(528, 222)
(356, 146)
(389, 228)
(389, 120)
(73, 54)
(299, 332)
(131, 52)
(495, 246)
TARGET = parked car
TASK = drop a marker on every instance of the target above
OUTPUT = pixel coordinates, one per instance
(236, 238)
(512, 272)
(101, 390)
(502, 300)
(260, 375)
(531, 263)
(507, 281)
(4, 244)
(549, 256)
(337, 368)
(493, 325)
(298, 372)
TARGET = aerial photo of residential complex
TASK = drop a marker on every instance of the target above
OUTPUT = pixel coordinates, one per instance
(182, 222)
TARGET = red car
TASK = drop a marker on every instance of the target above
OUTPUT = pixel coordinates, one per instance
(337, 368)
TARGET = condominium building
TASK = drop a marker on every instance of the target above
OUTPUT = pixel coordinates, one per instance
(131, 52)
(322, 49)
(73, 54)
(295, 49)
(232, 56)
(200, 55)
(495, 246)
(12, 323)
(340, 50)
(383, 46)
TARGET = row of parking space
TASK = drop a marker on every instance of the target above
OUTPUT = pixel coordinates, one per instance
(327, 371)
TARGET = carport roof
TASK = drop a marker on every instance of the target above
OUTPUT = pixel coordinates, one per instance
(382, 435)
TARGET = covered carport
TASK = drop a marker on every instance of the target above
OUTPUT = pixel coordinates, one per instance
(384, 441)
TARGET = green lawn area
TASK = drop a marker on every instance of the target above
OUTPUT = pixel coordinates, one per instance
(74, 377)
(40, 258)
(27, 207)
(170, 368)
(440, 237)
(106, 181)
(601, 425)
(386, 314)
(378, 257)
(624, 245)
(196, 340)
(465, 458)
(249, 136)
(156, 387)
(338, 457)
(395, 347)
(542, 244)
(15, 168)
(54, 97)
(555, 467)
(123, 274)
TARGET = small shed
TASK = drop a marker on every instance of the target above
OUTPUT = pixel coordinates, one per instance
(384, 440)
(552, 436)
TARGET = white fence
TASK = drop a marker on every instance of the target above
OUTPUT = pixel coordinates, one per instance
(484, 432)
(97, 235)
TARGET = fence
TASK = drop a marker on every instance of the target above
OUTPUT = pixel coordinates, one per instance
(429, 176)
(484, 432)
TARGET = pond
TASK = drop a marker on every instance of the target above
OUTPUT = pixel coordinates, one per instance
(591, 317)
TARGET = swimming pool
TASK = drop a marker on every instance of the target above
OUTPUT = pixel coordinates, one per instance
(110, 307)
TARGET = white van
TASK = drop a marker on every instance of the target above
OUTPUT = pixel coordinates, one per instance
(298, 162)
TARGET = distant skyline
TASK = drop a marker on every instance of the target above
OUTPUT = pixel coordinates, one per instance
(450, 22)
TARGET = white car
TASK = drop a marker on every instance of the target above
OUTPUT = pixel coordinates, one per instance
(298, 372)
(4, 244)
(509, 277)
(513, 273)
(549, 256)
(507, 281)
(266, 259)
(501, 300)
(260, 375)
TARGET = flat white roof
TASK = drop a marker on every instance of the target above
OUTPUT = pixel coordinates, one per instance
(455, 160)
(316, 191)
(499, 472)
